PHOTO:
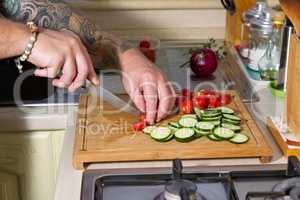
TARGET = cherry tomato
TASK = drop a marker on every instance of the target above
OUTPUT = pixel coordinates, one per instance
(207, 92)
(200, 102)
(145, 44)
(138, 126)
(186, 93)
(214, 101)
(225, 99)
(186, 107)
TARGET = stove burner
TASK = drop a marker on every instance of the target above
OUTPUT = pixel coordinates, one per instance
(178, 188)
(290, 187)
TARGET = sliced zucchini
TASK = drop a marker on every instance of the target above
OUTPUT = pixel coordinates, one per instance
(232, 117)
(214, 138)
(211, 118)
(148, 129)
(168, 138)
(205, 126)
(174, 124)
(184, 135)
(173, 129)
(198, 112)
(226, 110)
(202, 132)
(161, 133)
(188, 122)
(229, 121)
(211, 113)
(233, 127)
(198, 133)
(223, 133)
(216, 123)
(239, 138)
(189, 116)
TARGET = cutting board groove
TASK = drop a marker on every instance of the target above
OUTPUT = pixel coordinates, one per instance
(104, 134)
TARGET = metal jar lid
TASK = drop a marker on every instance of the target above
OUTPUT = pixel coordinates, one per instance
(264, 23)
(254, 12)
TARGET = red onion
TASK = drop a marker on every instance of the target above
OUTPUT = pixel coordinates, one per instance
(203, 62)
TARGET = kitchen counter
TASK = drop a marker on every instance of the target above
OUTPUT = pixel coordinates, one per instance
(69, 179)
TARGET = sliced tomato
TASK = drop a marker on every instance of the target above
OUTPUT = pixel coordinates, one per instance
(207, 92)
(186, 107)
(226, 99)
(138, 126)
(200, 101)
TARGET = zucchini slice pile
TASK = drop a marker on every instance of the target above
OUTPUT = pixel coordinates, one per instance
(216, 124)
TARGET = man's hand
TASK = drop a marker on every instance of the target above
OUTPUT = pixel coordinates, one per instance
(146, 85)
(62, 53)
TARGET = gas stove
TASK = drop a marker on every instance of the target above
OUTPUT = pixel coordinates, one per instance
(234, 185)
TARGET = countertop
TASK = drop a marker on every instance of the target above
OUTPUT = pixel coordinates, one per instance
(69, 179)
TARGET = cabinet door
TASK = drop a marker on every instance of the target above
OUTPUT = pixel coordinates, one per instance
(9, 189)
(33, 158)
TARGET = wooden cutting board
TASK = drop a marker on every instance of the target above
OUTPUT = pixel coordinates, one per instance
(104, 134)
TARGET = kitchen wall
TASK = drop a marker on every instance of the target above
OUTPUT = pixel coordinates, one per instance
(165, 19)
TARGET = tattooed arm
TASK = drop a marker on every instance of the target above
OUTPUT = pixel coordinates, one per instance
(144, 82)
(56, 15)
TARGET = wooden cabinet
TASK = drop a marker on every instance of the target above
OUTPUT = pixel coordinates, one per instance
(293, 97)
(28, 164)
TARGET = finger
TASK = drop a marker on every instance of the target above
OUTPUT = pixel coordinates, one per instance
(68, 73)
(82, 72)
(166, 100)
(47, 72)
(150, 95)
(138, 100)
(92, 76)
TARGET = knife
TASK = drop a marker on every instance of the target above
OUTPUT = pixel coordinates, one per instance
(114, 100)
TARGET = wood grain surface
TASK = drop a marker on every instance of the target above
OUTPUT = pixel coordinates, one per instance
(292, 9)
(104, 134)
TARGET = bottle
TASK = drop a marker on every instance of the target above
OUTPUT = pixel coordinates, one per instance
(247, 16)
(261, 30)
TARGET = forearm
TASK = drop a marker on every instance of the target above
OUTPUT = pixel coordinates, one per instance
(57, 15)
(12, 44)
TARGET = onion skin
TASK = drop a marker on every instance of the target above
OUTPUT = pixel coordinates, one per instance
(203, 62)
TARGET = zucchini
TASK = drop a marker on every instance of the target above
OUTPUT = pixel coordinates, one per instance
(226, 110)
(173, 129)
(168, 138)
(217, 118)
(174, 124)
(184, 135)
(188, 122)
(232, 117)
(198, 133)
(229, 121)
(223, 133)
(233, 127)
(198, 112)
(148, 129)
(161, 133)
(214, 138)
(239, 138)
(205, 126)
(190, 116)
(216, 123)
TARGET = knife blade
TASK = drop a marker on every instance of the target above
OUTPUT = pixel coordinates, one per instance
(114, 100)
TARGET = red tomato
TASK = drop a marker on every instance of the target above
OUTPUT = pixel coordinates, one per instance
(138, 126)
(214, 101)
(200, 102)
(143, 119)
(207, 92)
(186, 93)
(186, 107)
(225, 99)
(145, 44)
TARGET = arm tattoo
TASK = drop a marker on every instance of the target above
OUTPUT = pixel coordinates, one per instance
(56, 15)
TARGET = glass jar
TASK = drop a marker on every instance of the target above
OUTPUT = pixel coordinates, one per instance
(247, 16)
(261, 30)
